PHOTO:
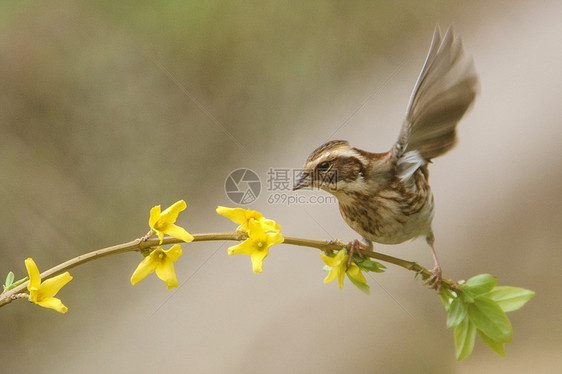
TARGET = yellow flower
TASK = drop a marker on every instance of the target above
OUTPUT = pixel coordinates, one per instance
(163, 223)
(243, 217)
(43, 293)
(257, 245)
(338, 269)
(162, 262)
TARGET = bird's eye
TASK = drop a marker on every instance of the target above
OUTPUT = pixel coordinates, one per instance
(324, 165)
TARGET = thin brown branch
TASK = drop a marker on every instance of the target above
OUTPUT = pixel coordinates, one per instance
(144, 243)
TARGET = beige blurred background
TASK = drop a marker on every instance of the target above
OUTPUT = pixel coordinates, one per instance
(108, 108)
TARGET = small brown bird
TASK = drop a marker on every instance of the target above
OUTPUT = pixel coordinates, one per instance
(386, 197)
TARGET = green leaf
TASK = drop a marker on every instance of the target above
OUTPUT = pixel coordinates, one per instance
(456, 314)
(491, 319)
(446, 298)
(366, 264)
(9, 279)
(465, 295)
(10, 282)
(362, 286)
(494, 345)
(510, 298)
(17, 283)
(480, 284)
(465, 334)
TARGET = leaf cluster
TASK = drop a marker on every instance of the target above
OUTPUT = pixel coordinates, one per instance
(366, 264)
(478, 306)
(9, 283)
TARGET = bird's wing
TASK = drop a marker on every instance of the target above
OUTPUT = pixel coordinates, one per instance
(443, 92)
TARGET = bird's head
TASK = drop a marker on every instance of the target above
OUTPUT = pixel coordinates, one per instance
(335, 167)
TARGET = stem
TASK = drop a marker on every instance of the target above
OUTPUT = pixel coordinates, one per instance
(328, 246)
(145, 243)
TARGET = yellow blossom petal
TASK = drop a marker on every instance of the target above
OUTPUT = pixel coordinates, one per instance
(356, 277)
(250, 215)
(338, 266)
(244, 248)
(331, 276)
(257, 260)
(154, 216)
(147, 266)
(236, 215)
(166, 272)
(53, 303)
(51, 286)
(341, 277)
(42, 293)
(34, 275)
(243, 217)
(160, 235)
(34, 294)
(162, 262)
(275, 238)
(335, 260)
(327, 259)
(178, 232)
(355, 273)
(163, 223)
(270, 225)
(257, 245)
(174, 253)
(256, 231)
(171, 214)
(338, 269)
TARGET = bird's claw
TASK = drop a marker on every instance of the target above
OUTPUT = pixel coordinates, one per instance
(434, 281)
(355, 247)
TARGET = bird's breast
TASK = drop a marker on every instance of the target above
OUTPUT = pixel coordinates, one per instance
(389, 216)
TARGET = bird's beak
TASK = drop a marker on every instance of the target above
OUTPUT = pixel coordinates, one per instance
(305, 180)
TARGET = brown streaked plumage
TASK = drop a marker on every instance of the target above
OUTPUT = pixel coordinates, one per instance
(386, 197)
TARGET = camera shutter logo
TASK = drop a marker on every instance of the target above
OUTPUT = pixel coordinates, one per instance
(242, 186)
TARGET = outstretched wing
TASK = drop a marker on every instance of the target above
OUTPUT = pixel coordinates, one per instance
(443, 92)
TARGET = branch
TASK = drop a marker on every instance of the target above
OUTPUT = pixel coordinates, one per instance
(143, 244)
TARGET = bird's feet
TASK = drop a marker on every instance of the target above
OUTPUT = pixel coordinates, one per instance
(355, 247)
(434, 281)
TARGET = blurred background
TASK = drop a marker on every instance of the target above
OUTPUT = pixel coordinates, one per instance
(109, 108)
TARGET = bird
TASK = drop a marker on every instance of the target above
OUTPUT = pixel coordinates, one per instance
(386, 197)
